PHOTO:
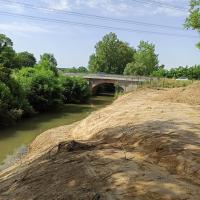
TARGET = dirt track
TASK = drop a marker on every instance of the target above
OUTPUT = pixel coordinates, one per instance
(143, 147)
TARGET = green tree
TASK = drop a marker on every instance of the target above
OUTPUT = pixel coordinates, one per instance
(82, 69)
(111, 56)
(145, 60)
(193, 20)
(8, 113)
(92, 64)
(194, 72)
(48, 61)
(75, 89)
(41, 86)
(13, 102)
(7, 54)
(34, 89)
(159, 73)
(25, 59)
(134, 69)
(187, 72)
(5, 41)
(76, 70)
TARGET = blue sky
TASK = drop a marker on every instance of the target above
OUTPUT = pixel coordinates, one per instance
(73, 44)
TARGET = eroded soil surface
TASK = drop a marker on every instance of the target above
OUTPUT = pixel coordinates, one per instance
(144, 147)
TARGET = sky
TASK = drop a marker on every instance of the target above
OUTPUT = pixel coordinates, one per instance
(73, 43)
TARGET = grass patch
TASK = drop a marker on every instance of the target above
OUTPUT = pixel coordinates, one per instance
(166, 83)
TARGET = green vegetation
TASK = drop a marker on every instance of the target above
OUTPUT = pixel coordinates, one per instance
(48, 62)
(193, 20)
(75, 89)
(145, 60)
(112, 55)
(187, 72)
(7, 53)
(117, 57)
(13, 103)
(25, 59)
(41, 86)
(165, 83)
(27, 87)
(75, 70)
(15, 137)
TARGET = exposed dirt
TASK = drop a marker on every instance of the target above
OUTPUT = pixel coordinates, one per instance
(189, 95)
(144, 147)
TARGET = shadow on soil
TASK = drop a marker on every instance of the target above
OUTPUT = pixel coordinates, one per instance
(111, 170)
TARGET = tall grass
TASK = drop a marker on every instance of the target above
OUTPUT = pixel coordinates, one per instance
(165, 83)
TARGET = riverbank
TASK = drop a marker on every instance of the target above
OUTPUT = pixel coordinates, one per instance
(14, 140)
(144, 146)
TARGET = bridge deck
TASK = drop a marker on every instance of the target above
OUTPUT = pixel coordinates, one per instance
(111, 77)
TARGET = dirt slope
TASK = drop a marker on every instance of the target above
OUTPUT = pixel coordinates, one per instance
(141, 147)
(190, 95)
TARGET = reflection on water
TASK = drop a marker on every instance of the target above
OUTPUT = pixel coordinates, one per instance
(14, 140)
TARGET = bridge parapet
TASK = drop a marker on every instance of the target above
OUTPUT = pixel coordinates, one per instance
(112, 77)
(127, 83)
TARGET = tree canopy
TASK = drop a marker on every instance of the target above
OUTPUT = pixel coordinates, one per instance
(48, 62)
(27, 88)
(5, 41)
(193, 20)
(25, 59)
(75, 70)
(41, 86)
(10, 59)
(7, 54)
(145, 60)
(111, 55)
(75, 89)
(186, 72)
(117, 57)
(13, 102)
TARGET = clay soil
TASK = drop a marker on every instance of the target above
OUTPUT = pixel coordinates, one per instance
(145, 146)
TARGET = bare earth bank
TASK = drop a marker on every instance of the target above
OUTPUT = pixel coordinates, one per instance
(145, 146)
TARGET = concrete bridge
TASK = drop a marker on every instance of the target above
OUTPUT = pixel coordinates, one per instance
(126, 83)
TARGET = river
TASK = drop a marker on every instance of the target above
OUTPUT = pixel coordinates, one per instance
(14, 140)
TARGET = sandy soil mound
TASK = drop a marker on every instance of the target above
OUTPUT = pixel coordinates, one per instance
(189, 94)
(136, 148)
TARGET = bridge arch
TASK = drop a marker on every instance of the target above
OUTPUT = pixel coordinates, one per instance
(113, 85)
(126, 83)
(105, 86)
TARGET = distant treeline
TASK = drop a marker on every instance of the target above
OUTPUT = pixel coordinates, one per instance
(28, 87)
(192, 73)
(114, 56)
(75, 70)
(186, 72)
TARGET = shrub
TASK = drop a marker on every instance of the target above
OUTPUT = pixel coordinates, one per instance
(41, 87)
(75, 89)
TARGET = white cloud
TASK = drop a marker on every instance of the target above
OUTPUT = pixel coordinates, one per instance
(169, 12)
(21, 27)
(180, 8)
(119, 7)
(109, 7)
(16, 8)
(58, 4)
